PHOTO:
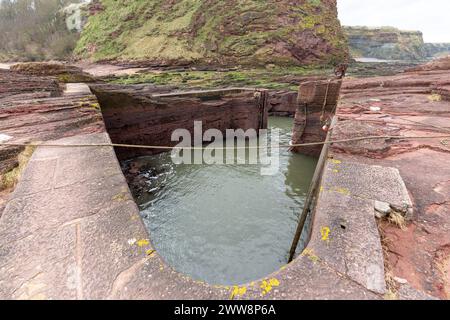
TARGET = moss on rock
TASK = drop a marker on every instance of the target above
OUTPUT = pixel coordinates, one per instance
(273, 77)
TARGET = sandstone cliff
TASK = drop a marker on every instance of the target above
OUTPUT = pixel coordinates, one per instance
(385, 43)
(161, 32)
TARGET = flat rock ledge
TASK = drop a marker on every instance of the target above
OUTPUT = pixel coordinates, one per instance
(345, 233)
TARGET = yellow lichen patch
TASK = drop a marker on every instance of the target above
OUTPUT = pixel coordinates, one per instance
(150, 252)
(268, 285)
(219, 286)
(274, 282)
(325, 232)
(234, 292)
(341, 190)
(142, 243)
(335, 161)
(120, 197)
(335, 171)
(95, 106)
(435, 97)
(309, 253)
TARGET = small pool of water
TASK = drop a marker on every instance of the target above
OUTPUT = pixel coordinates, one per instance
(225, 224)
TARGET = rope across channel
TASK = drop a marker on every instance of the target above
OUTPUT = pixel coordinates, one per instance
(136, 146)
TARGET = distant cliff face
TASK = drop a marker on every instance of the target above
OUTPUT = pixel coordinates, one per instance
(385, 43)
(232, 32)
(437, 49)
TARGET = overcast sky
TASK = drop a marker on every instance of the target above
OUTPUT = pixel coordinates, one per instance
(432, 17)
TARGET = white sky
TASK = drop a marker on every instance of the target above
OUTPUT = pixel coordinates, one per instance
(432, 17)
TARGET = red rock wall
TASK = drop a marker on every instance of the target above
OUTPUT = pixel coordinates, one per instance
(317, 102)
(282, 103)
(150, 119)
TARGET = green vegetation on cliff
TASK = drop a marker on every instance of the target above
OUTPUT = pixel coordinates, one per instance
(232, 32)
(283, 78)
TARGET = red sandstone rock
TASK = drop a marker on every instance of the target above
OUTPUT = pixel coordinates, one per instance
(439, 64)
(33, 109)
(282, 103)
(147, 118)
(407, 107)
(315, 107)
(12, 83)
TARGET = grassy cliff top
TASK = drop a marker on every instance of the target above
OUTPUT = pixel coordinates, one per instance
(363, 29)
(231, 32)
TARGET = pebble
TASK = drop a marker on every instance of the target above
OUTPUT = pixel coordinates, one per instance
(382, 209)
(4, 137)
(401, 280)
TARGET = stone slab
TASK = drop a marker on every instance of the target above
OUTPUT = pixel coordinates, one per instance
(345, 236)
(406, 292)
(77, 89)
(345, 233)
(40, 265)
(62, 240)
(366, 181)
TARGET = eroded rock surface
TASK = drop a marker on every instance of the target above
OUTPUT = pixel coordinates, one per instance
(406, 105)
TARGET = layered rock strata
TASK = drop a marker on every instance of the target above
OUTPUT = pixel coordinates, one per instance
(150, 118)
